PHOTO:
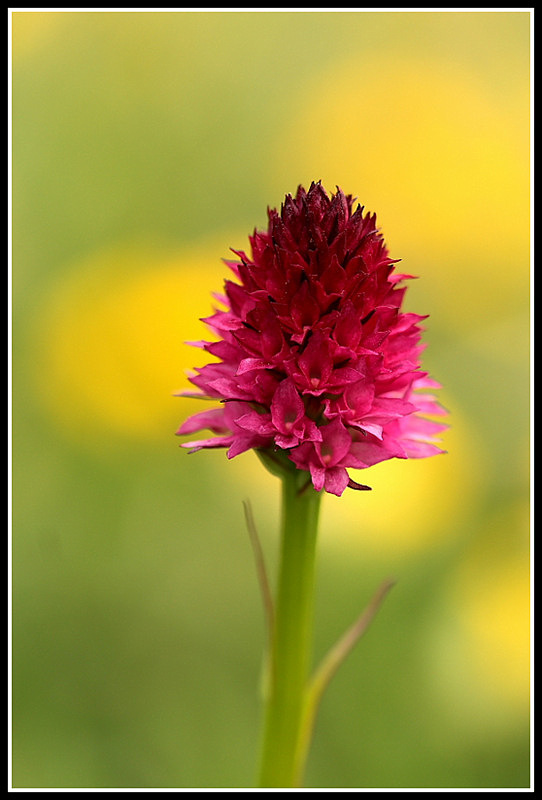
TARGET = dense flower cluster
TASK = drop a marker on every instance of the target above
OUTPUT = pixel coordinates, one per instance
(316, 364)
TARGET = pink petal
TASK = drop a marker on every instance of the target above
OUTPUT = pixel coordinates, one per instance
(368, 453)
(213, 419)
(421, 449)
(426, 404)
(286, 442)
(335, 443)
(256, 423)
(287, 406)
(318, 475)
(216, 441)
(336, 480)
(370, 427)
(248, 364)
(348, 327)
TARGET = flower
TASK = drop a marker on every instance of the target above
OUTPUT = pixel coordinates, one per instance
(317, 368)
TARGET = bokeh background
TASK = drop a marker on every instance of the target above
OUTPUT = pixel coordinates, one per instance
(145, 145)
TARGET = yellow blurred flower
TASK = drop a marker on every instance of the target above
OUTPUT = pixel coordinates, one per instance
(482, 645)
(443, 158)
(112, 339)
(431, 499)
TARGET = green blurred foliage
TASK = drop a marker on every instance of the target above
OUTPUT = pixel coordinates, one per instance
(137, 627)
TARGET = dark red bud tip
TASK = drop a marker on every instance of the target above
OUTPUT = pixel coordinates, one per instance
(359, 486)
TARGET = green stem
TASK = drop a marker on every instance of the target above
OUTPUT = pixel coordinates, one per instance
(291, 643)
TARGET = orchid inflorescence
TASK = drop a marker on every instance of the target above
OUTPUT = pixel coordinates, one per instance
(317, 368)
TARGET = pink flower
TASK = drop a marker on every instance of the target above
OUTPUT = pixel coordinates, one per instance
(317, 366)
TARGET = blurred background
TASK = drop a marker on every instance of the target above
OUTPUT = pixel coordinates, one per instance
(145, 145)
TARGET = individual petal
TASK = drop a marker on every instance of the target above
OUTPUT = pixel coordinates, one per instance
(426, 404)
(213, 420)
(242, 443)
(318, 477)
(256, 423)
(366, 452)
(348, 326)
(311, 431)
(223, 321)
(314, 365)
(229, 389)
(423, 429)
(216, 441)
(400, 277)
(286, 442)
(332, 282)
(336, 480)
(304, 310)
(248, 364)
(385, 409)
(287, 407)
(369, 427)
(359, 398)
(335, 444)
(415, 449)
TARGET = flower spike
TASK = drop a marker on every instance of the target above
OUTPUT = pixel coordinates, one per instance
(317, 362)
